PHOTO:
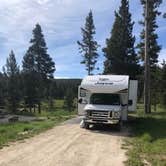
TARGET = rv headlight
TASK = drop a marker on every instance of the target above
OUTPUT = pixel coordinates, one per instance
(116, 114)
(88, 112)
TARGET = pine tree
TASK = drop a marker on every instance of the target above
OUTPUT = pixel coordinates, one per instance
(13, 91)
(88, 46)
(30, 80)
(69, 99)
(28, 63)
(38, 60)
(154, 47)
(44, 63)
(119, 52)
(51, 95)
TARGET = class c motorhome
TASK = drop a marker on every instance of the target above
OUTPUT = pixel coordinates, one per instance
(106, 99)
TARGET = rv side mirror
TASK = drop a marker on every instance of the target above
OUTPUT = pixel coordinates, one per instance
(80, 100)
(130, 102)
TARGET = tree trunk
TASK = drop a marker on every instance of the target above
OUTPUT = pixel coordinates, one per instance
(34, 108)
(39, 108)
(30, 109)
(147, 102)
(155, 103)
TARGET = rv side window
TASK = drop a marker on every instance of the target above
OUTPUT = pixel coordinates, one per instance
(82, 92)
(105, 99)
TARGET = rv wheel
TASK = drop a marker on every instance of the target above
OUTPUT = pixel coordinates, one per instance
(86, 125)
(118, 126)
(82, 124)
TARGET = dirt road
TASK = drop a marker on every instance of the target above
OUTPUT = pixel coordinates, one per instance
(67, 145)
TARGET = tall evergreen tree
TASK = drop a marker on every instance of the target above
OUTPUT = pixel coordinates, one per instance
(38, 61)
(119, 51)
(30, 80)
(154, 47)
(69, 99)
(44, 64)
(88, 46)
(13, 91)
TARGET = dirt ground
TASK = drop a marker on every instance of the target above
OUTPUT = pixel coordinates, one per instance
(68, 145)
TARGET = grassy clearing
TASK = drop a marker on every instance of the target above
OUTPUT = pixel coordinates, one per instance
(21, 130)
(148, 143)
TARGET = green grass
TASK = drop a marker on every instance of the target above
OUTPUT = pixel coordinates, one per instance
(148, 141)
(21, 130)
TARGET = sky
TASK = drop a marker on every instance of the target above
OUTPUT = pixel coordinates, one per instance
(61, 21)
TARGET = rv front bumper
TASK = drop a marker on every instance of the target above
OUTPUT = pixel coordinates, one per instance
(103, 117)
(106, 121)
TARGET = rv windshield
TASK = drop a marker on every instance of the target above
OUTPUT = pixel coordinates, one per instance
(105, 99)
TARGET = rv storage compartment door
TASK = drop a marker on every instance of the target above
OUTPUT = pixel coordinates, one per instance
(133, 86)
(82, 100)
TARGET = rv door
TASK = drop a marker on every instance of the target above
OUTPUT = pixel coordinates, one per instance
(82, 100)
(133, 86)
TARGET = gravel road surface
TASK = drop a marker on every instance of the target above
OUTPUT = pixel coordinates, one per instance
(68, 145)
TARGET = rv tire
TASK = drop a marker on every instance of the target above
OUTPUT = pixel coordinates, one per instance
(86, 125)
(119, 126)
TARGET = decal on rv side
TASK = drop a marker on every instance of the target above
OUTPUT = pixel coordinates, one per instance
(104, 83)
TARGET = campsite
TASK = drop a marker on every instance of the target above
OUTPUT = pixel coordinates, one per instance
(82, 83)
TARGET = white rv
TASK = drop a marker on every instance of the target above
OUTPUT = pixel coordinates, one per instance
(106, 99)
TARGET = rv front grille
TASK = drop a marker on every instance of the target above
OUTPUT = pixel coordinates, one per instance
(95, 114)
(99, 120)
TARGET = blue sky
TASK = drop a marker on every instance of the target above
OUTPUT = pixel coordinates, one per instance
(61, 21)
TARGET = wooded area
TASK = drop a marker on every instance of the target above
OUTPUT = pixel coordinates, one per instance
(26, 86)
